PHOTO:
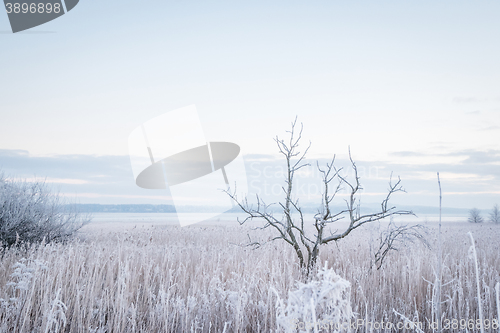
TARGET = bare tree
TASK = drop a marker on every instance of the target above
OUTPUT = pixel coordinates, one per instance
(495, 215)
(475, 216)
(291, 227)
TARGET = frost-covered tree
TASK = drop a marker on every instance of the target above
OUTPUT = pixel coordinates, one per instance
(475, 216)
(30, 213)
(495, 214)
(307, 238)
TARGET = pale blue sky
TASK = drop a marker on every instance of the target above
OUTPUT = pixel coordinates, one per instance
(411, 85)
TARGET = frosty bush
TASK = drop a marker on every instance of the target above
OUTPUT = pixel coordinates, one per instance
(29, 213)
(320, 305)
(475, 216)
(495, 215)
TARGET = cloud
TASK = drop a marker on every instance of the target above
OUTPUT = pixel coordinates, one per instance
(406, 154)
(477, 112)
(466, 157)
(19, 163)
(57, 180)
(475, 175)
(489, 128)
(477, 157)
(259, 157)
(13, 152)
(465, 100)
(471, 193)
(89, 175)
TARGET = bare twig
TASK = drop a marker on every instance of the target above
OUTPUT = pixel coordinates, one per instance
(395, 236)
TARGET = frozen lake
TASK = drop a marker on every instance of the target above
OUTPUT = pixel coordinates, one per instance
(226, 219)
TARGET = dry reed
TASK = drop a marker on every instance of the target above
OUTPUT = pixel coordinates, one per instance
(194, 279)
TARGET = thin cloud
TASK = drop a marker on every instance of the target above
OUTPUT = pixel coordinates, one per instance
(259, 157)
(407, 154)
(57, 180)
(109, 179)
(489, 128)
(13, 152)
(465, 100)
(471, 193)
(19, 163)
(479, 157)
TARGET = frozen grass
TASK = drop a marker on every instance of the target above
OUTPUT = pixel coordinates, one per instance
(172, 279)
(320, 303)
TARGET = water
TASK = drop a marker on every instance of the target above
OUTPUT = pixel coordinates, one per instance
(230, 219)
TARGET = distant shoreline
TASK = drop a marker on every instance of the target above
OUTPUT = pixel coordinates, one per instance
(146, 208)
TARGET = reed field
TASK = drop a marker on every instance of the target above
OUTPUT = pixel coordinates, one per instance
(153, 278)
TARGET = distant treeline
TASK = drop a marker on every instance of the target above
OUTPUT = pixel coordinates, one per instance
(130, 208)
(145, 208)
(138, 208)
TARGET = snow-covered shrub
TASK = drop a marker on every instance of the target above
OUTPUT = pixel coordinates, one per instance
(319, 305)
(29, 212)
